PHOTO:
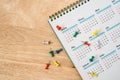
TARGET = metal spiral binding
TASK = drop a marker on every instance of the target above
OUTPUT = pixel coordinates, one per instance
(67, 9)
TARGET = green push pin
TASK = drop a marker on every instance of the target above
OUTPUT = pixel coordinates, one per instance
(51, 53)
(92, 59)
(75, 34)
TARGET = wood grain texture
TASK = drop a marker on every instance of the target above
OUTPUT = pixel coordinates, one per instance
(23, 26)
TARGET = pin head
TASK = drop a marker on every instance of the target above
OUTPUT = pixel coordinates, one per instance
(56, 64)
(51, 53)
(59, 27)
(59, 50)
(46, 42)
(75, 34)
(94, 74)
(92, 59)
(47, 65)
(95, 32)
(86, 43)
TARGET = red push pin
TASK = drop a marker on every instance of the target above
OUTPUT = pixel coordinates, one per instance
(59, 27)
(86, 43)
(47, 66)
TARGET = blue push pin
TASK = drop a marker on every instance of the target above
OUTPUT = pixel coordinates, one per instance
(59, 50)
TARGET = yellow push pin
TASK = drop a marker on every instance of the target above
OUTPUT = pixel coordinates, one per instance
(56, 64)
(95, 32)
(94, 74)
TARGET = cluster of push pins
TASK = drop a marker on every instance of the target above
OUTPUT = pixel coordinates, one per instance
(94, 33)
(55, 63)
(93, 74)
(57, 52)
(76, 33)
(52, 54)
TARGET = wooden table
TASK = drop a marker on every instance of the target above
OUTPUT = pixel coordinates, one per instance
(23, 26)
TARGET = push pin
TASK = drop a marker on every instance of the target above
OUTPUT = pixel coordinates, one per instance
(56, 64)
(95, 32)
(94, 74)
(98, 44)
(59, 50)
(92, 59)
(46, 42)
(47, 65)
(51, 53)
(75, 34)
(59, 27)
(86, 43)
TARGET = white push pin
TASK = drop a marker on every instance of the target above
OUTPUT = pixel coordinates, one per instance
(46, 42)
(99, 44)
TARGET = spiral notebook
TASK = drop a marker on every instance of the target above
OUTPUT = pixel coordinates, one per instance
(89, 31)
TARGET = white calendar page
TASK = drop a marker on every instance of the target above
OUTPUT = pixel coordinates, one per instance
(101, 15)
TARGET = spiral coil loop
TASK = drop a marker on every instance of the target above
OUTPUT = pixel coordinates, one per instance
(67, 9)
